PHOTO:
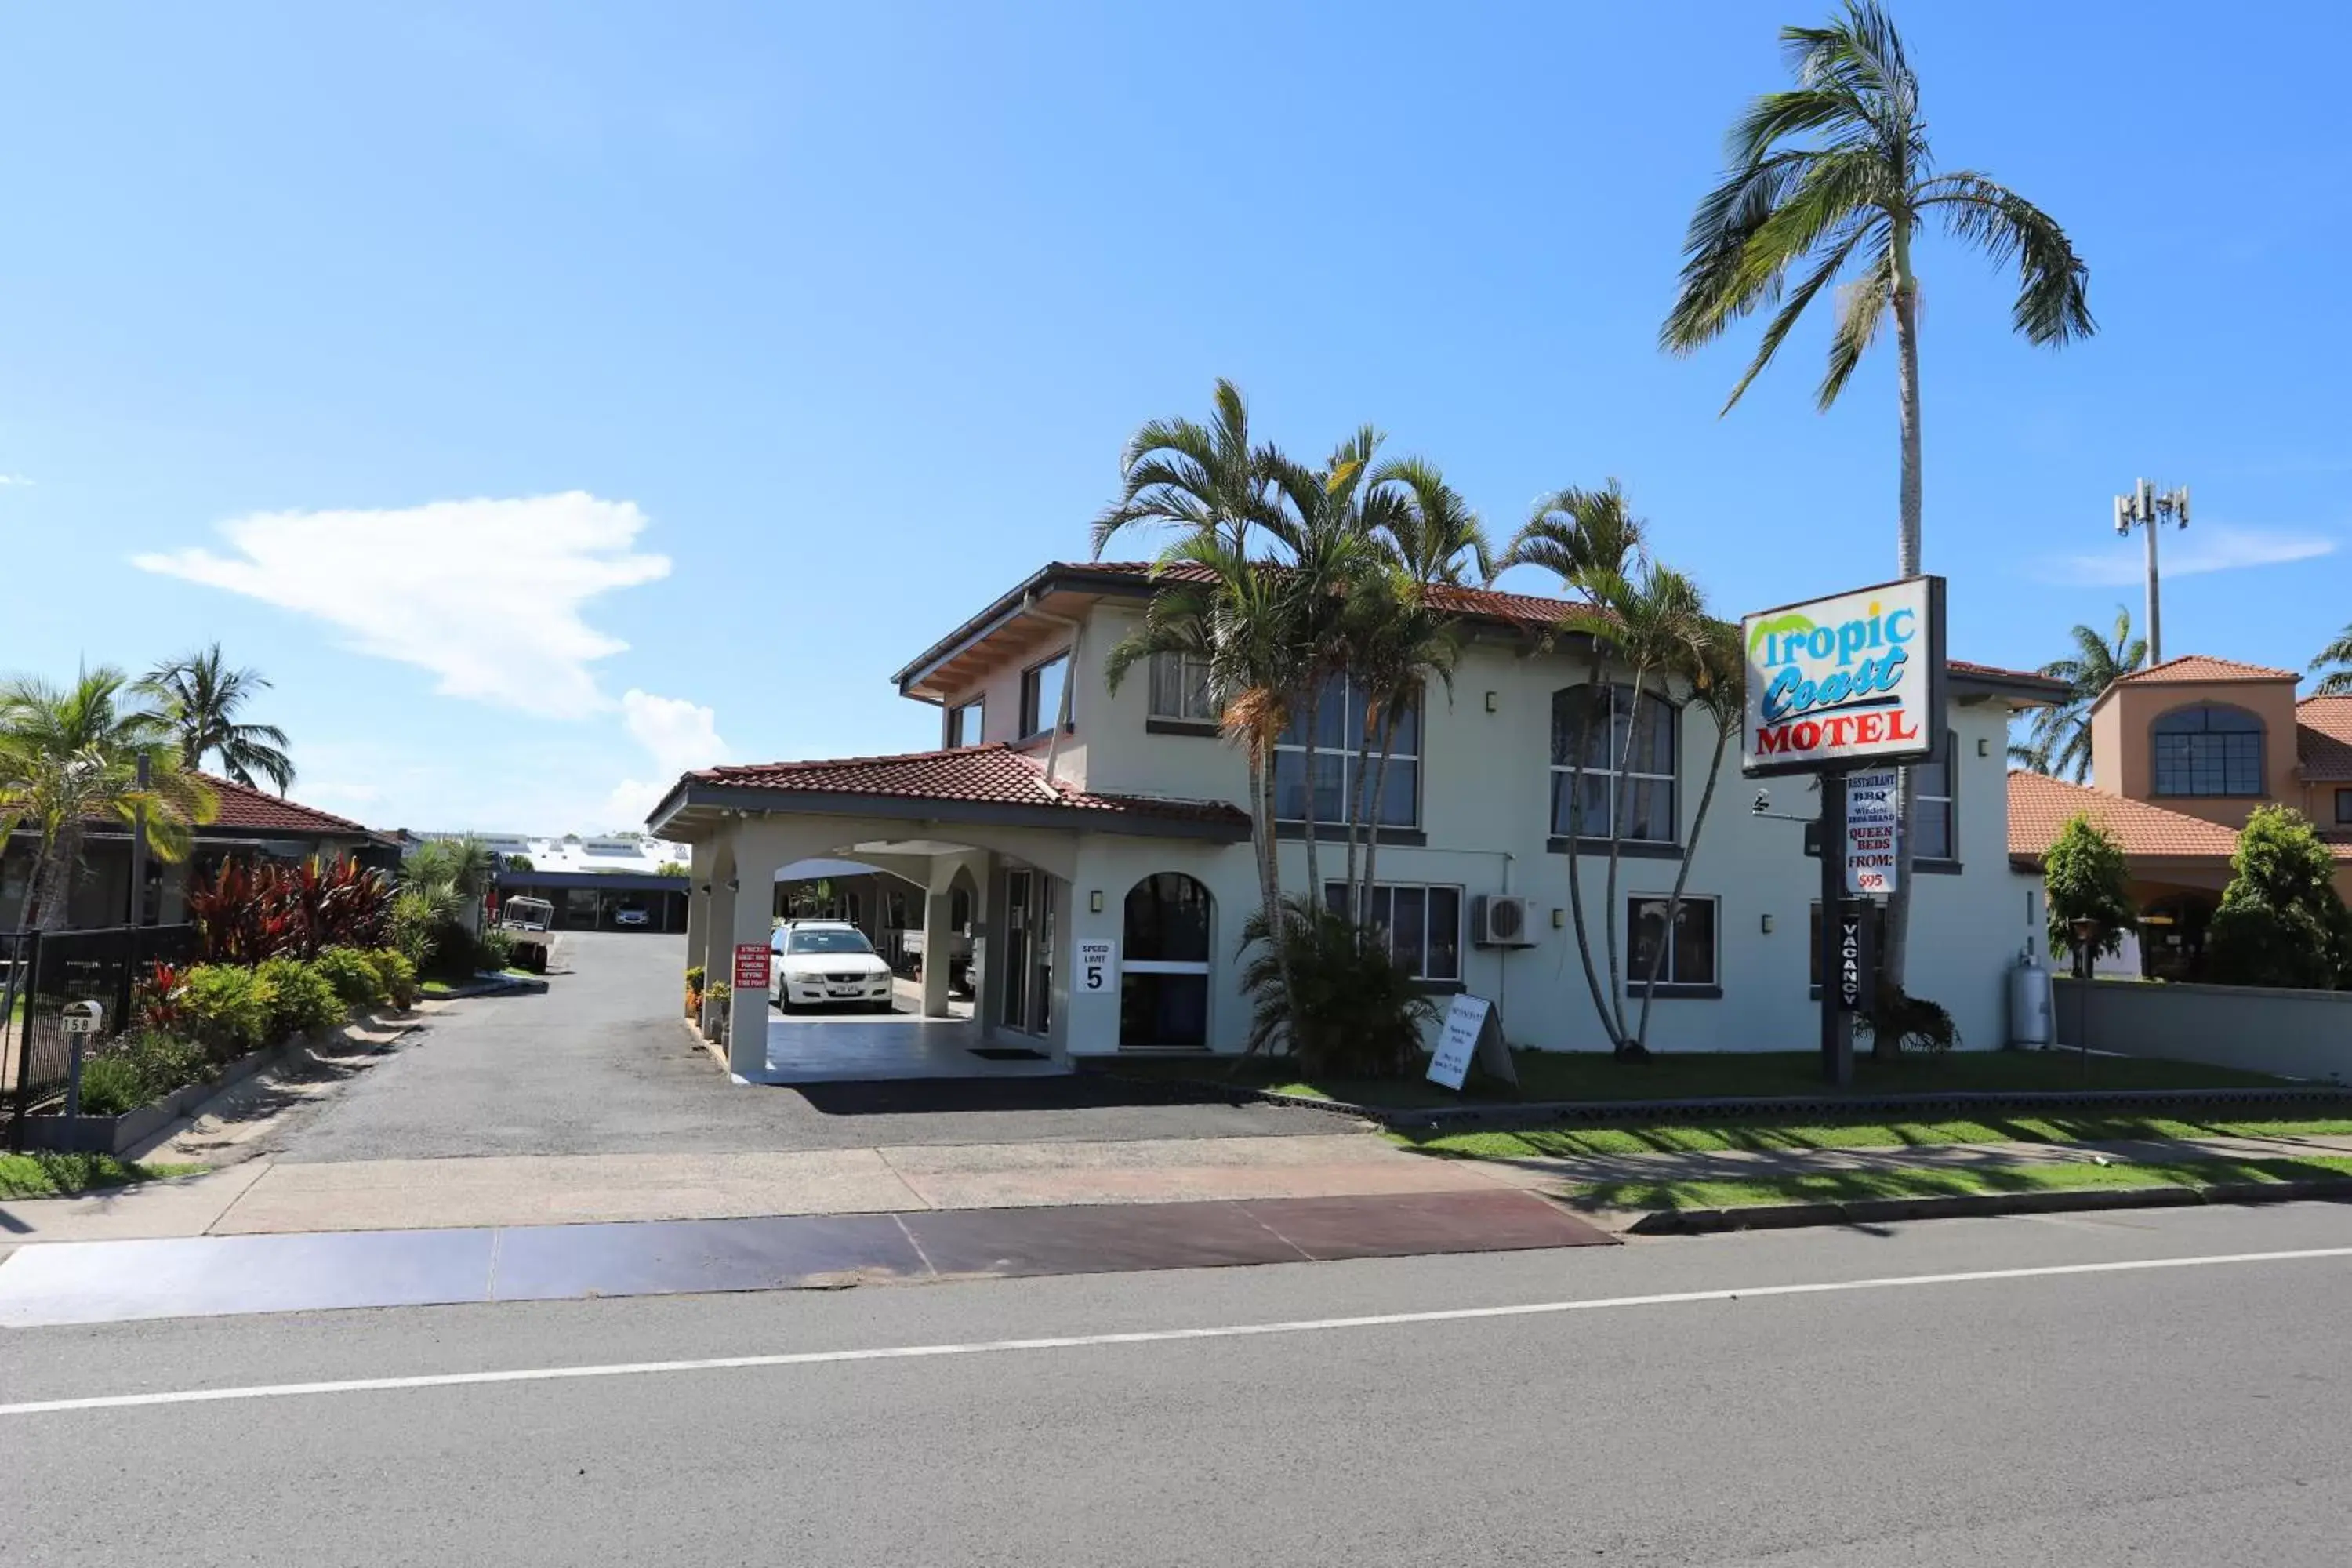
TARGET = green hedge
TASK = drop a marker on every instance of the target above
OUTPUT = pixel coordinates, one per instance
(354, 975)
(301, 998)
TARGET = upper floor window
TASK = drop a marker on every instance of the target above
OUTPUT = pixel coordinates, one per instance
(2208, 749)
(964, 725)
(1179, 689)
(1934, 805)
(1041, 694)
(1618, 735)
(1340, 723)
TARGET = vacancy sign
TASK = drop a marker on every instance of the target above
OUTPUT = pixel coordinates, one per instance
(1870, 830)
(1849, 681)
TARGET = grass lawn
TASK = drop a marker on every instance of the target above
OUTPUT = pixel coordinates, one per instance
(1692, 1075)
(51, 1175)
(1706, 1137)
(1848, 1186)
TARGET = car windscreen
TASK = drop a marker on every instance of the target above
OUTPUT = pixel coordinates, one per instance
(829, 942)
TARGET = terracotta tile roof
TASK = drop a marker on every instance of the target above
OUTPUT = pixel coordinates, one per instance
(257, 811)
(2040, 808)
(2323, 737)
(2190, 667)
(992, 774)
(1530, 610)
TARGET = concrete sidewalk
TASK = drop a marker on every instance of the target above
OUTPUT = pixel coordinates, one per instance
(1749, 1164)
(265, 1197)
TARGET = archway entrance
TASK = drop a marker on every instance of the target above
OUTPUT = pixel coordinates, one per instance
(1163, 986)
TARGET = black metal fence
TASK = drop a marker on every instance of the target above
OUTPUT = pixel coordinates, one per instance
(40, 973)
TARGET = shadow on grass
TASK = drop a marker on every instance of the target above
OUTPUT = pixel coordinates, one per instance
(1853, 1186)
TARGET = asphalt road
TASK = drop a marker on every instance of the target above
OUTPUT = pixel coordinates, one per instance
(603, 1065)
(2188, 1415)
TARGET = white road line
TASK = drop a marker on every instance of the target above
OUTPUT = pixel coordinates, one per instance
(1145, 1336)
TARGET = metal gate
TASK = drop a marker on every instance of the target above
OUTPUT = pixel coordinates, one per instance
(40, 973)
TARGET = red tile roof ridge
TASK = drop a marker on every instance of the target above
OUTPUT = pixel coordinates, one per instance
(2189, 667)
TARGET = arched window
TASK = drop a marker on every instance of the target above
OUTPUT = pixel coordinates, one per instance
(1163, 982)
(1617, 734)
(2208, 749)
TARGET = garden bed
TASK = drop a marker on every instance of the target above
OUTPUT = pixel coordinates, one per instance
(114, 1134)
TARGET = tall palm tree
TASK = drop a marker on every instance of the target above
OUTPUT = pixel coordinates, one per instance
(1202, 479)
(201, 697)
(1863, 190)
(1715, 670)
(1593, 542)
(2060, 740)
(2337, 681)
(1656, 625)
(69, 756)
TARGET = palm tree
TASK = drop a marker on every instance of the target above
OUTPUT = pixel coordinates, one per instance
(1203, 478)
(1656, 625)
(1864, 191)
(2060, 741)
(2337, 681)
(201, 697)
(1715, 670)
(1591, 542)
(69, 756)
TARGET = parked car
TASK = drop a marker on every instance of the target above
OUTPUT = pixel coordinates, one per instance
(826, 962)
(955, 948)
(631, 918)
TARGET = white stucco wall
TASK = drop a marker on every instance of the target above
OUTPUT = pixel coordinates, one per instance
(1486, 811)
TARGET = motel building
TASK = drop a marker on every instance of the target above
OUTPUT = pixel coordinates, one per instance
(1091, 850)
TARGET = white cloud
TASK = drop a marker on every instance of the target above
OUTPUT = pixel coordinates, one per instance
(2188, 553)
(13, 479)
(678, 735)
(486, 594)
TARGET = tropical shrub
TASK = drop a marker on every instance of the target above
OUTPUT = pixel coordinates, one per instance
(2281, 921)
(111, 1086)
(1907, 1020)
(165, 1061)
(1349, 1009)
(251, 911)
(353, 973)
(301, 998)
(397, 975)
(224, 1007)
(494, 950)
(2086, 878)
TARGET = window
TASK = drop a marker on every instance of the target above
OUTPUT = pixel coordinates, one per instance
(2208, 749)
(1616, 735)
(1932, 812)
(1163, 980)
(964, 725)
(1179, 689)
(1423, 923)
(1041, 694)
(1688, 959)
(806, 940)
(2344, 807)
(1340, 723)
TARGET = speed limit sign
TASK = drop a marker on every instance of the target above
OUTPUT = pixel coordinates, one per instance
(1097, 960)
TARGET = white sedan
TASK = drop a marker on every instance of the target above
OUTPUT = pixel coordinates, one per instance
(826, 962)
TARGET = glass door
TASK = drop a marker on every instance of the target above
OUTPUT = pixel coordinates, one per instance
(1020, 942)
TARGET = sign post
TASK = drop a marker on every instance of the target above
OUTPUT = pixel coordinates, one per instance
(1847, 688)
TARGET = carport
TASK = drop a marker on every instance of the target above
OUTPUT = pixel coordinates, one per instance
(1050, 865)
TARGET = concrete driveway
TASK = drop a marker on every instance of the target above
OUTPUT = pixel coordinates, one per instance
(604, 1065)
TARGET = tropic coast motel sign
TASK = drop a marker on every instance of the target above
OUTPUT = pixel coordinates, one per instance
(1845, 681)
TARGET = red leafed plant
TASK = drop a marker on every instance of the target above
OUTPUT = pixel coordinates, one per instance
(251, 912)
(152, 1002)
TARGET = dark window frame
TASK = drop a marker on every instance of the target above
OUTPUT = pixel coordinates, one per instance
(2224, 754)
(955, 735)
(1033, 721)
(1557, 770)
(1335, 894)
(1949, 761)
(1153, 709)
(1347, 755)
(1672, 982)
(2344, 808)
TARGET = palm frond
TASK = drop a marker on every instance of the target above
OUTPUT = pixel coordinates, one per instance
(2052, 306)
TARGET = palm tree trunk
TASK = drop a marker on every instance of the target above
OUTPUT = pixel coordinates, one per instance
(1576, 825)
(56, 879)
(1380, 789)
(1618, 802)
(1269, 865)
(1896, 951)
(1313, 693)
(1356, 804)
(1674, 899)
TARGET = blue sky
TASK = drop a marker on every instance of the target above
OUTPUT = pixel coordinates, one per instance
(548, 397)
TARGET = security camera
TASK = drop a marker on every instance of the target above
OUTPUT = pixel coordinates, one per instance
(1763, 803)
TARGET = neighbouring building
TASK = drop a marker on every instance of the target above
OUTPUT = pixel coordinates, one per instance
(607, 881)
(1058, 815)
(2181, 753)
(250, 823)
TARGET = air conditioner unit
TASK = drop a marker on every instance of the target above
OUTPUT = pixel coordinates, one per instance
(1502, 920)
